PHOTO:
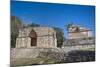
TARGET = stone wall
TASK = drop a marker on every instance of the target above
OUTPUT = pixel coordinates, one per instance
(46, 42)
(45, 37)
(23, 42)
(30, 52)
(32, 56)
(79, 41)
(34, 52)
(79, 47)
(79, 44)
(75, 31)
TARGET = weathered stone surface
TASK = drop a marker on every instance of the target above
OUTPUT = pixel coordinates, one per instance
(38, 45)
(79, 41)
(32, 56)
(75, 31)
(34, 52)
(43, 37)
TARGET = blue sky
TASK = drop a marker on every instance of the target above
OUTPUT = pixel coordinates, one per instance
(57, 15)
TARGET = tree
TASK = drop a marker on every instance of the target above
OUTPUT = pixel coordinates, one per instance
(33, 25)
(60, 36)
(72, 25)
(15, 25)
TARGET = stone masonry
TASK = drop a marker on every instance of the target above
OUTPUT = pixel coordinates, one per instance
(75, 32)
(41, 37)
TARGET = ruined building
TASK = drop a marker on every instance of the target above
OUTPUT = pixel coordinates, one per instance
(75, 32)
(79, 36)
(42, 37)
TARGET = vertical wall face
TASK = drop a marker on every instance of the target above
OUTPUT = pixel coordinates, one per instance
(46, 42)
(80, 35)
(35, 38)
(78, 32)
(46, 37)
(90, 34)
(23, 42)
(77, 35)
(42, 42)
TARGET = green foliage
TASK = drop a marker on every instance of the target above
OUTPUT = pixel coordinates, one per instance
(60, 36)
(68, 25)
(33, 25)
(13, 40)
(15, 25)
(77, 29)
(71, 25)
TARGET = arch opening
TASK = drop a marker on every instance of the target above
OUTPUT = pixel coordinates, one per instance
(33, 37)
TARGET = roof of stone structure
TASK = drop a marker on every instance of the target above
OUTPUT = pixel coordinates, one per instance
(40, 31)
(81, 29)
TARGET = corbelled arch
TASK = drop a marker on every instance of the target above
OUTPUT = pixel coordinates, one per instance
(33, 36)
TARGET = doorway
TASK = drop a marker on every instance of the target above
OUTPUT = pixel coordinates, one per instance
(33, 41)
(33, 37)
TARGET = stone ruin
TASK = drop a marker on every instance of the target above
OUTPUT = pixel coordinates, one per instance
(75, 32)
(45, 39)
(41, 37)
(78, 36)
